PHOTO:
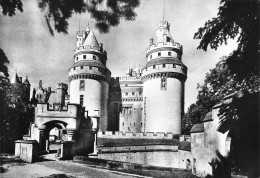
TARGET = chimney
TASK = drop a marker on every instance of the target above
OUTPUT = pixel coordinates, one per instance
(164, 38)
(101, 47)
(151, 41)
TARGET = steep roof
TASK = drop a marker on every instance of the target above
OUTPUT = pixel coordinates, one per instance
(91, 40)
(26, 81)
(15, 79)
(197, 128)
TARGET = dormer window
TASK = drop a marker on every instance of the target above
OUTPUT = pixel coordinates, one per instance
(174, 66)
(81, 67)
(159, 54)
(84, 56)
(74, 68)
(153, 66)
(94, 57)
(77, 58)
(90, 67)
(163, 65)
(150, 56)
(169, 53)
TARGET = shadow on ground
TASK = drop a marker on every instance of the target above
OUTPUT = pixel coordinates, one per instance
(7, 161)
(58, 176)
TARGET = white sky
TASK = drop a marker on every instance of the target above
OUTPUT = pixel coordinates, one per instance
(33, 52)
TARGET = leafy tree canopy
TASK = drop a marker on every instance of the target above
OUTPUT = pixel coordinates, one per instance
(237, 19)
(107, 13)
(218, 83)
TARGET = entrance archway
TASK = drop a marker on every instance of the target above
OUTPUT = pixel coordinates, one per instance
(54, 133)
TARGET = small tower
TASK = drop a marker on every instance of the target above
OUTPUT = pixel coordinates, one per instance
(27, 85)
(61, 93)
(15, 79)
(163, 80)
(89, 77)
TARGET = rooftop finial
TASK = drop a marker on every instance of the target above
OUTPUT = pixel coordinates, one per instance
(79, 21)
(163, 9)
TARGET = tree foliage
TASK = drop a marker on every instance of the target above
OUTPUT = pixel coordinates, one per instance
(218, 83)
(237, 19)
(15, 114)
(3, 62)
(106, 13)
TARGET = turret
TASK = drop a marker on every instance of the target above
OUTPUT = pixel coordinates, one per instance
(163, 80)
(89, 77)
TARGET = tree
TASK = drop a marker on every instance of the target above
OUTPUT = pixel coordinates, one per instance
(236, 19)
(3, 62)
(218, 83)
(106, 13)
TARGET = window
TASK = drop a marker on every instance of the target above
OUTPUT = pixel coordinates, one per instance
(84, 56)
(141, 123)
(90, 67)
(159, 54)
(133, 93)
(74, 68)
(94, 57)
(123, 124)
(140, 93)
(81, 85)
(174, 66)
(77, 58)
(81, 98)
(146, 68)
(134, 123)
(153, 66)
(163, 65)
(81, 67)
(150, 56)
(126, 94)
(169, 53)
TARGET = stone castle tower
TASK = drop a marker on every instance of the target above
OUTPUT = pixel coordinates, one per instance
(89, 77)
(163, 80)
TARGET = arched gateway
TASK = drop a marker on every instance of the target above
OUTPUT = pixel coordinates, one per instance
(75, 131)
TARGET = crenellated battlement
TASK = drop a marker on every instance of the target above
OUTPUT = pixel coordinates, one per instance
(148, 135)
(47, 110)
(173, 45)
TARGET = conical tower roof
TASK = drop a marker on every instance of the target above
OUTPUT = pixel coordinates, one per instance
(26, 81)
(15, 79)
(91, 40)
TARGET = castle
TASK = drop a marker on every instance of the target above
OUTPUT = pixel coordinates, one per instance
(135, 118)
(145, 100)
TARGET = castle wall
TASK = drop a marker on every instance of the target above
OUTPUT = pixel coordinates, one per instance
(95, 96)
(154, 155)
(162, 110)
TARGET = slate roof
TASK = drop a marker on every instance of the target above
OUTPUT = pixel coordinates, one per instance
(15, 79)
(26, 81)
(164, 60)
(91, 40)
(89, 63)
(184, 145)
(208, 117)
(197, 128)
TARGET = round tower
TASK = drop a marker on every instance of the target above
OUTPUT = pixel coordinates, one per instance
(89, 77)
(163, 80)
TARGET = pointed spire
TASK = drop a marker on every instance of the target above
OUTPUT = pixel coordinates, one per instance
(15, 79)
(91, 40)
(88, 28)
(26, 81)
